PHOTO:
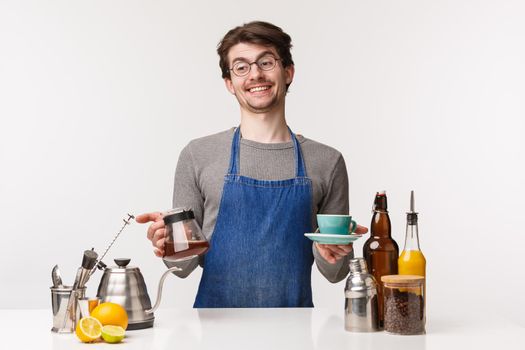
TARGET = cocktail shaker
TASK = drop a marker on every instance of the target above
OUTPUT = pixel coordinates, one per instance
(361, 313)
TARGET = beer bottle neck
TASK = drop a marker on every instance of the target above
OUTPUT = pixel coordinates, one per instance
(380, 203)
(381, 226)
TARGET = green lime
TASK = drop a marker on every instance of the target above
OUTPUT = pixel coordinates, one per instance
(113, 334)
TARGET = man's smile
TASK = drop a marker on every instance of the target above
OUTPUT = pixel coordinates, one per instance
(259, 88)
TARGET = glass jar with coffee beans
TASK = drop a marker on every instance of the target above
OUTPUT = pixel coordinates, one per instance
(404, 304)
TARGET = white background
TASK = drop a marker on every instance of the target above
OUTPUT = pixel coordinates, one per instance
(97, 99)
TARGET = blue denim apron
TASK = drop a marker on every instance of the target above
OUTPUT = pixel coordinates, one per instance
(259, 256)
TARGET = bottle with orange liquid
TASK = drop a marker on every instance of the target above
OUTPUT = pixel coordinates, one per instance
(412, 261)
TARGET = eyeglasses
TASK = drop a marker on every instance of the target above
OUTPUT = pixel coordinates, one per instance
(264, 63)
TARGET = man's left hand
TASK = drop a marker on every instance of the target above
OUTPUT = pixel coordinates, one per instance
(332, 253)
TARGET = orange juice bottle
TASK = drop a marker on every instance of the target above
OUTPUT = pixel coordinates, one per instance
(412, 261)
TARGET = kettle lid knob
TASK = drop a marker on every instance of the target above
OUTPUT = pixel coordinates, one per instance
(123, 262)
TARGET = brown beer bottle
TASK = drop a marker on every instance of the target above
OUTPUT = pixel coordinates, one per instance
(380, 250)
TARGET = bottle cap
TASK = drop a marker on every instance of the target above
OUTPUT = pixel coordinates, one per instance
(380, 202)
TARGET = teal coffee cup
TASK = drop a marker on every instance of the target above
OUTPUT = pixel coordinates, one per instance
(336, 224)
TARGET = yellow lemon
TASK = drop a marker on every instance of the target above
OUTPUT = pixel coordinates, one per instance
(88, 329)
(111, 314)
(113, 334)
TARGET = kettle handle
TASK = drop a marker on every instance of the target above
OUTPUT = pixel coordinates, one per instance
(159, 290)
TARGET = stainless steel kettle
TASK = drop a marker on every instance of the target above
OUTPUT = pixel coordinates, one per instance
(124, 285)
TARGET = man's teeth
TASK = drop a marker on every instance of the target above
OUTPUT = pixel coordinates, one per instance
(259, 88)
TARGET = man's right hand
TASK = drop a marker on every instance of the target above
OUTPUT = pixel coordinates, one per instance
(156, 231)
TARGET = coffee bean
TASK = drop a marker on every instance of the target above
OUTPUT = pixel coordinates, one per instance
(404, 312)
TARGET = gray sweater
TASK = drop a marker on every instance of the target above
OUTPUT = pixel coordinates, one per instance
(202, 164)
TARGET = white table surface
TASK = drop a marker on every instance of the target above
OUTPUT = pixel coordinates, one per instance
(316, 328)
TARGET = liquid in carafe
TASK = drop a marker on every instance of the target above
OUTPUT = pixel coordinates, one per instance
(193, 248)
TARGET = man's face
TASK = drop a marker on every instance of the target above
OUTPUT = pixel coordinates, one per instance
(258, 91)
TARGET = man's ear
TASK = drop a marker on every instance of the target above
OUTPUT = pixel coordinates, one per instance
(229, 85)
(289, 71)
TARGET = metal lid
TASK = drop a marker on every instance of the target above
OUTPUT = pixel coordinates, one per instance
(178, 216)
(360, 283)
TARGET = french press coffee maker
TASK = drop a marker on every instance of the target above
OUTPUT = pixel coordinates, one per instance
(125, 284)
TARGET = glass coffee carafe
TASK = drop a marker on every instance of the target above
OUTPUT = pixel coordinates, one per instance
(184, 239)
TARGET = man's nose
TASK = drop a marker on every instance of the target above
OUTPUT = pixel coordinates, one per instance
(255, 70)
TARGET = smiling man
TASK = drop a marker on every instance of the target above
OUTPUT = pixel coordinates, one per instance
(259, 91)
(255, 189)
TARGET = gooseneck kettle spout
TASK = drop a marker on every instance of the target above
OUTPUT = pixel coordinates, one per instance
(159, 290)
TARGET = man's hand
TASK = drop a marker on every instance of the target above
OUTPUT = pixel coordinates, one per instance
(156, 231)
(332, 253)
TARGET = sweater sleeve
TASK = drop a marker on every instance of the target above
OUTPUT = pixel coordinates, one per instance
(335, 202)
(186, 193)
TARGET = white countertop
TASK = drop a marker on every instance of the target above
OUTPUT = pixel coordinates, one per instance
(268, 329)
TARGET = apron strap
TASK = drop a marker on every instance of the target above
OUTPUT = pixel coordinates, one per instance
(234, 154)
(300, 169)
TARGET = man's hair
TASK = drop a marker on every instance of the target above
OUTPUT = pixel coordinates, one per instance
(259, 33)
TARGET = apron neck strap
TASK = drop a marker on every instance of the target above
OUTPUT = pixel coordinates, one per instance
(300, 169)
